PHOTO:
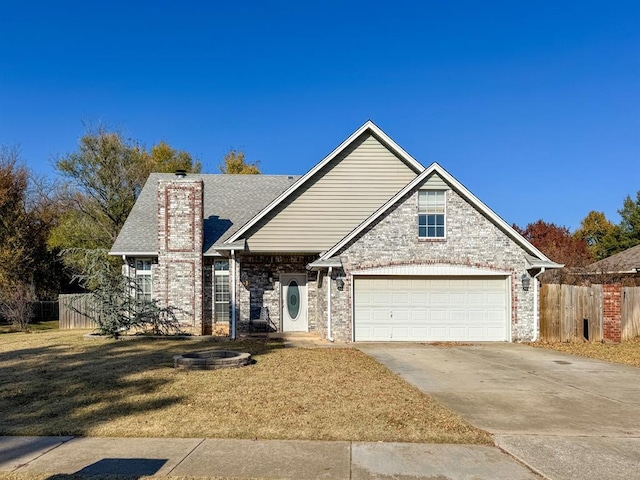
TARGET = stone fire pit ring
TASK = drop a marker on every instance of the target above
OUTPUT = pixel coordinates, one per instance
(211, 360)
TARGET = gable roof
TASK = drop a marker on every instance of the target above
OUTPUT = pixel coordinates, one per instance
(627, 261)
(367, 127)
(465, 193)
(229, 202)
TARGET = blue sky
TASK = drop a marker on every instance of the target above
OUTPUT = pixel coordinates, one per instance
(534, 106)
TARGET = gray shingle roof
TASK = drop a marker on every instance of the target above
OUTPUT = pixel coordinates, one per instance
(625, 261)
(230, 201)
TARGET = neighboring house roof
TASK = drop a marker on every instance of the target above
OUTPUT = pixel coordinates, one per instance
(367, 127)
(230, 201)
(434, 168)
(627, 261)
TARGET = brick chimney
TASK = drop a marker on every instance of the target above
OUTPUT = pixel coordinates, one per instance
(180, 237)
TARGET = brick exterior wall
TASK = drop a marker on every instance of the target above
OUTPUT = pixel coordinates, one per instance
(182, 279)
(612, 312)
(471, 240)
(178, 279)
(254, 290)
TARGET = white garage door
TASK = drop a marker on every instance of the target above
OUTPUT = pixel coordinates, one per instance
(430, 309)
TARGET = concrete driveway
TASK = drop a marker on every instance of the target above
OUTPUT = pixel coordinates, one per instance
(564, 416)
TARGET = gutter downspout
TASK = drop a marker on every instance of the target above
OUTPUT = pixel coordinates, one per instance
(329, 336)
(233, 295)
(536, 308)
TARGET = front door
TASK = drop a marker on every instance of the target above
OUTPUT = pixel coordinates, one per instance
(294, 302)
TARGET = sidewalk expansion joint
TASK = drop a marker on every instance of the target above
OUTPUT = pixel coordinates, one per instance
(62, 442)
(522, 462)
(186, 456)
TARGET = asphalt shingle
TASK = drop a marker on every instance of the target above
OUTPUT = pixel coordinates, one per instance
(625, 261)
(230, 201)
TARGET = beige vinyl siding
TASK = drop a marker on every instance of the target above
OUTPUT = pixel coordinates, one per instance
(335, 201)
(435, 182)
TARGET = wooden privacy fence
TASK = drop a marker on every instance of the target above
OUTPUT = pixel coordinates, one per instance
(572, 313)
(630, 321)
(569, 313)
(70, 308)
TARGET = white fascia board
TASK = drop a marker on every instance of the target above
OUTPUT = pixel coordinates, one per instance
(320, 264)
(533, 262)
(461, 190)
(134, 254)
(368, 125)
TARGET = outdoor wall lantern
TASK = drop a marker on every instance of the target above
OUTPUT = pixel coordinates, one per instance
(340, 283)
(270, 277)
(526, 281)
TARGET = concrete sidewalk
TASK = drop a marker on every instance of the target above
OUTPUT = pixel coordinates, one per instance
(281, 459)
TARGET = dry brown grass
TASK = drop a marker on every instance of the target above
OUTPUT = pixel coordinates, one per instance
(57, 383)
(627, 353)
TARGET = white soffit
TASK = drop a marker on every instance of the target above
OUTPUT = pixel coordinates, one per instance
(440, 270)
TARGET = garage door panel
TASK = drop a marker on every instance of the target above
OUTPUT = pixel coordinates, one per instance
(400, 298)
(477, 299)
(419, 297)
(381, 332)
(457, 298)
(438, 298)
(400, 333)
(493, 331)
(430, 309)
(381, 298)
(494, 299)
(379, 316)
(458, 332)
(476, 331)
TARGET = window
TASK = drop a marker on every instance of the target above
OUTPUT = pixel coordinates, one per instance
(143, 279)
(431, 214)
(221, 290)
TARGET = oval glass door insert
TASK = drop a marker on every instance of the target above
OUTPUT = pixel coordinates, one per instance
(293, 299)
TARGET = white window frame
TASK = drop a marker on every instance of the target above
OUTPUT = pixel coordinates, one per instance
(432, 209)
(143, 273)
(218, 274)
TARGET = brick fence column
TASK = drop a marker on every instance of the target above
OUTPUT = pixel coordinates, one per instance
(180, 239)
(612, 312)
